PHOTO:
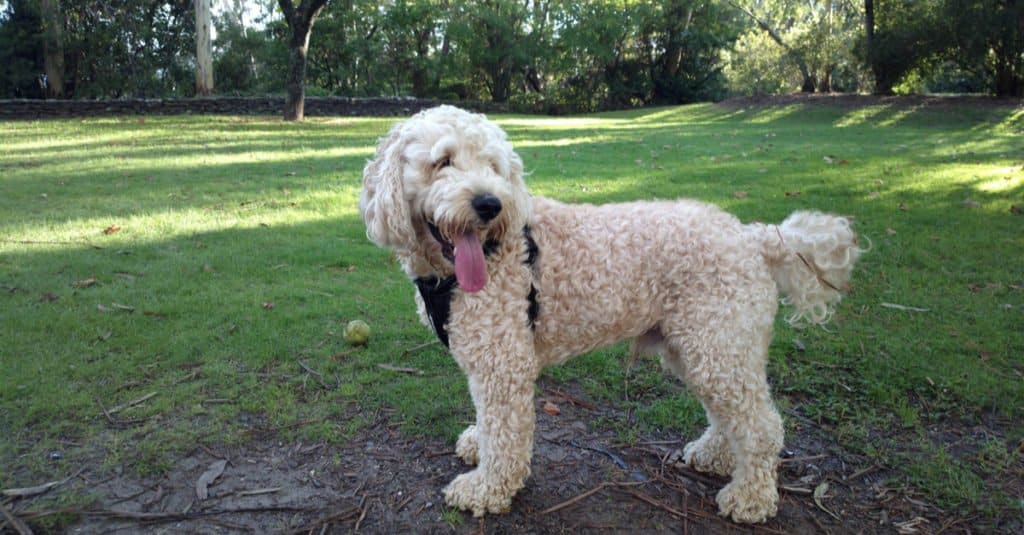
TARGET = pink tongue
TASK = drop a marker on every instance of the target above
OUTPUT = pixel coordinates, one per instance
(470, 266)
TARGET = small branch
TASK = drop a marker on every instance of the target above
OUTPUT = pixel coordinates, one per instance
(589, 493)
(318, 375)
(572, 399)
(415, 348)
(20, 526)
(34, 242)
(257, 492)
(131, 403)
(392, 368)
(904, 307)
(670, 510)
(39, 489)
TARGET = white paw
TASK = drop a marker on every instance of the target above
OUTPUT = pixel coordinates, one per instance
(748, 502)
(709, 453)
(471, 492)
(467, 447)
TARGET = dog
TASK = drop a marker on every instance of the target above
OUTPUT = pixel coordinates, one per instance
(513, 283)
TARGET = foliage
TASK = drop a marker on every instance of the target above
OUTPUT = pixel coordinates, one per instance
(21, 50)
(113, 49)
(556, 56)
(756, 65)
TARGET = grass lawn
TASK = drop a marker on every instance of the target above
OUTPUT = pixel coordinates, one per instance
(168, 281)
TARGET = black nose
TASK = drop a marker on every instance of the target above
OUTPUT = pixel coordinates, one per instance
(487, 206)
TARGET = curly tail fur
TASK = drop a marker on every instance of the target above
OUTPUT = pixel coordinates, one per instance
(811, 255)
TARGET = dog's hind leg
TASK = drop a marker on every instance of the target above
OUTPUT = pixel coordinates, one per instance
(745, 432)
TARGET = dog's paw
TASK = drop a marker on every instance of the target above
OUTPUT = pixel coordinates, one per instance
(467, 447)
(709, 453)
(748, 502)
(471, 492)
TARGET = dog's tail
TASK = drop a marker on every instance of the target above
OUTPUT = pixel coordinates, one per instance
(811, 255)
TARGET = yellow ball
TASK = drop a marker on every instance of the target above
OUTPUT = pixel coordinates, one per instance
(357, 332)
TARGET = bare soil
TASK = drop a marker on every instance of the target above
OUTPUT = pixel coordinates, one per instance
(583, 481)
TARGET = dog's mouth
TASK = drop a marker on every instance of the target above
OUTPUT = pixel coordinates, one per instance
(465, 251)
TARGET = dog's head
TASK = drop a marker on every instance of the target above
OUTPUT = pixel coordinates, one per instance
(443, 184)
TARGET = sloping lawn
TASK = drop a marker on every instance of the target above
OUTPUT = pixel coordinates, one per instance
(168, 281)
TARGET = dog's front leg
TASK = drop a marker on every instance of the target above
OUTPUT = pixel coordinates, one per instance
(501, 376)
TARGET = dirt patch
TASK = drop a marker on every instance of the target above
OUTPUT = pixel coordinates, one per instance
(583, 480)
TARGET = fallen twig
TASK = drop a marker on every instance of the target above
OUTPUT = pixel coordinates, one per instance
(165, 517)
(131, 403)
(300, 423)
(18, 525)
(257, 492)
(803, 459)
(318, 375)
(904, 307)
(400, 369)
(862, 472)
(37, 242)
(39, 489)
(336, 517)
(418, 347)
(589, 493)
(572, 399)
(668, 509)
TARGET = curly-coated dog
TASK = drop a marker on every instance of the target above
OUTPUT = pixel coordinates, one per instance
(513, 283)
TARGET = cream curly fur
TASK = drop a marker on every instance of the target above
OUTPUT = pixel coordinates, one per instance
(684, 279)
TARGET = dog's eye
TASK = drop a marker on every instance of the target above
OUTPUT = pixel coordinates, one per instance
(443, 162)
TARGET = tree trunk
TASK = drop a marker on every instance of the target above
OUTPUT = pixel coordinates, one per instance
(300, 21)
(204, 49)
(53, 47)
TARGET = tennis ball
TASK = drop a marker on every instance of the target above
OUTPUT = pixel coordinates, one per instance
(357, 332)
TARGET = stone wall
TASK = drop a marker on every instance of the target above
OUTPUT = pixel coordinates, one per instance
(274, 106)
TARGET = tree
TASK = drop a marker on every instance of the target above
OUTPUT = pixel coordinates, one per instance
(204, 49)
(53, 47)
(300, 21)
(899, 36)
(988, 38)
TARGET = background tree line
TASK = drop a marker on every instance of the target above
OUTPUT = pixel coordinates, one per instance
(553, 55)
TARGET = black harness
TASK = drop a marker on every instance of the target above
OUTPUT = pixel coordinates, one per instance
(437, 292)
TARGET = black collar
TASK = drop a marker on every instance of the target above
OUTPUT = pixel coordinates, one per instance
(437, 291)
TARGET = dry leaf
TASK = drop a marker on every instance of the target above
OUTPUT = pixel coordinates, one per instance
(49, 297)
(934, 238)
(843, 162)
(112, 229)
(739, 194)
(873, 195)
(267, 305)
(890, 231)
(85, 283)
(551, 408)
(971, 203)
(209, 476)
(792, 194)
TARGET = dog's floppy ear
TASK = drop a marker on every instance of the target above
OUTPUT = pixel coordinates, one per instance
(382, 202)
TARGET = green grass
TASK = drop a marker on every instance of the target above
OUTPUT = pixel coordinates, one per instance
(240, 257)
